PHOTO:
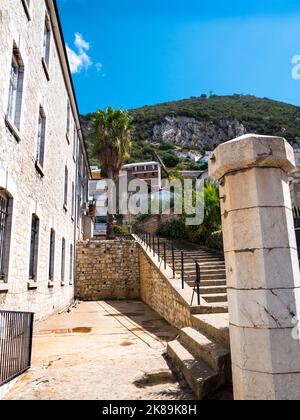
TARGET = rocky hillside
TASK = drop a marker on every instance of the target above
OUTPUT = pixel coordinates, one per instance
(203, 123)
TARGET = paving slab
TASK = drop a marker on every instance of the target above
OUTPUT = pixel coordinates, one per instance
(102, 351)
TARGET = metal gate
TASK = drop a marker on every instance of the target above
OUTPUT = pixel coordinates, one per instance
(16, 330)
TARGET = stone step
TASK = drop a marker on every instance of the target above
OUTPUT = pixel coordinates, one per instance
(215, 265)
(201, 378)
(213, 325)
(207, 275)
(211, 290)
(211, 352)
(212, 270)
(212, 298)
(213, 276)
(210, 308)
(205, 270)
(193, 257)
(208, 283)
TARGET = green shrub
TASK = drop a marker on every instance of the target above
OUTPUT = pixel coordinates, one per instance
(175, 229)
(166, 146)
(215, 240)
(209, 232)
(121, 230)
(170, 159)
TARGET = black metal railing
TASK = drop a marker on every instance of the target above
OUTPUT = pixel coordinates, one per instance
(296, 212)
(167, 255)
(16, 330)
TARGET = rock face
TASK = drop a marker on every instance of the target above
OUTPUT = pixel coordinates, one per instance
(185, 131)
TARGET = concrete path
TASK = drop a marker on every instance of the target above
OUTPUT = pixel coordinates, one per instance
(99, 351)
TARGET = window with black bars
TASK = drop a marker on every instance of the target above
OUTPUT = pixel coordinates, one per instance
(66, 187)
(47, 40)
(52, 254)
(41, 138)
(34, 247)
(63, 260)
(71, 264)
(15, 88)
(3, 231)
(68, 118)
(73, 200)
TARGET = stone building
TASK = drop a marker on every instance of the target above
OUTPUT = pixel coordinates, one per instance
(149, 172)
(43, 161)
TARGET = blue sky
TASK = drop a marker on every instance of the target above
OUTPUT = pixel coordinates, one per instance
(130, 53)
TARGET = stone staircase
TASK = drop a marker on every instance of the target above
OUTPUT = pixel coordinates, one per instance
(213, 287)
(201, 353)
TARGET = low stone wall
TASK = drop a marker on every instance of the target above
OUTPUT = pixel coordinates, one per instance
(158, 292)
(107, 270)
(153, 223)
(123, 269)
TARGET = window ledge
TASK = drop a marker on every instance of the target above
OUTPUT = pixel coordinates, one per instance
(12, 128)
(25, 5)
(62, 284)
(32, 285)
(39, 169)
(4, 287)
(50, 284)
(46, 69)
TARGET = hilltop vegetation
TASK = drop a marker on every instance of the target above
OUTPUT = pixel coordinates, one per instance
(257, 115)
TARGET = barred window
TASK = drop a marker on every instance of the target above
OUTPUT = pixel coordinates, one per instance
(66, 187)
(15, 89)
(52, 255)
(40, 153)
(68, 118)
(73, 200)
(34, 244)
(63, 260)
(3, 232)
(71, 263)
(78, 208)
(47, 41)
(74, 140)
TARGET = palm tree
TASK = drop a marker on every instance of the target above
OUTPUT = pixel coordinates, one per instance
(112, 145)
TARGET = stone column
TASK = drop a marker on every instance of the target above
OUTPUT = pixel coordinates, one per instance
(262, 266)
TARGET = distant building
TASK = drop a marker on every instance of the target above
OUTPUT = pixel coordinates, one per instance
(188, 154)
(147, 171)
(96, 172)
(205, 159)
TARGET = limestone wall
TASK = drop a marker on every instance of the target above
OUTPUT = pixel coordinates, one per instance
(157, 291)
(32, 192)
(107, 270)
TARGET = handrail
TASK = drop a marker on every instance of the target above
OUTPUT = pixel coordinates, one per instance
(154, 245)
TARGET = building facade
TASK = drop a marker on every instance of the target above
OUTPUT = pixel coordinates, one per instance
(146, 171)
(43, 161)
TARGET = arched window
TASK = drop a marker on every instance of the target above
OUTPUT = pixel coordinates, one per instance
(5, 231)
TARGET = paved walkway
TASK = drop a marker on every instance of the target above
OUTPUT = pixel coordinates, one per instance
(99, 351)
